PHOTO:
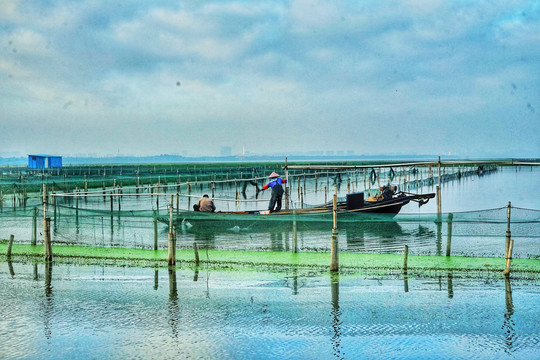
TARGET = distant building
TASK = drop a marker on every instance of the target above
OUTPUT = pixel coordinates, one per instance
(44, 161)
(226, 151)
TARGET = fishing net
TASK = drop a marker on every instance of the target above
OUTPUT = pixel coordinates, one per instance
(139, 216)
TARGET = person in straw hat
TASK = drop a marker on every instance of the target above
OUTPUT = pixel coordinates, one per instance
(277, 191)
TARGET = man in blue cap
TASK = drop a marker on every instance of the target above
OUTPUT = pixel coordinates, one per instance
(277, 191)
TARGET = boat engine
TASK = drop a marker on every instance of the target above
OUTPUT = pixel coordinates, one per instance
(355, 201)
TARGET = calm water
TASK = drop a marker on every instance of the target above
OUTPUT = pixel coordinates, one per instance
(81, 312)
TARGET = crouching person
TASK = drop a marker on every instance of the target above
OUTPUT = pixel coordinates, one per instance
(205, 204)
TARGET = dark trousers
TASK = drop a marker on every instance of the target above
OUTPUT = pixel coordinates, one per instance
(275, 199)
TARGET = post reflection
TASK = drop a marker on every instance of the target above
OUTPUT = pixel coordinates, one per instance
(48, 301)
(10, 266)
(508, 324)
(173, 307)
(450, 278)
(438, 241)
(335, 314)
(405, 281)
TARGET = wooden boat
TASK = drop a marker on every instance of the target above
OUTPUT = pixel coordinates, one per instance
(383, 207)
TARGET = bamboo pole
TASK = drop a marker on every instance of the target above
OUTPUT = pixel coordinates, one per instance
(286, 192)
(47, 239)
(405, 258)
(334, 262)
(76, 205)
(449, 236)
(509, 243)
(11, 238)
(172, 242)
(334, 209)
(509, 259)
(196, 252)
(44, 202)
(439, 202)
(295, 234)
(334, 246)
(54, 206)
(155, 232)
(34, 227)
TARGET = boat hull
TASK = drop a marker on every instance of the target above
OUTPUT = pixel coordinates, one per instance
(377, 211)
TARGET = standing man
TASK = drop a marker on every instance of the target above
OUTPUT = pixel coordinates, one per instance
(277, 191)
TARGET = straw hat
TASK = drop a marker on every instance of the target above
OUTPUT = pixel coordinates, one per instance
(273, 175)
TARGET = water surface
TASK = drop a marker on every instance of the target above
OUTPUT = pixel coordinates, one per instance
(70, 312)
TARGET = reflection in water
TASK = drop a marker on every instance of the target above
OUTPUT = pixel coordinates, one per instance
(10, 266)
(156, 279)
(276, 241)
(48, 301)
(509, 325)
(335, 313)
(405, 281)
(372, 310)
(450, 278)
(207, 238)
(439, 238)
(173, 307)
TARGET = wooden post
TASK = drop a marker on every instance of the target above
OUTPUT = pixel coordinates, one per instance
(509, 243)
(439, 203)
(177, 202)
(171, 215)
(325, 195)
(508, 259)
(44, 202)
(77, 205)
(301, 197)
(155, 233)
(172, 242)
(334, 209)
(47, 239)
(196, 251)
(405, 258)
(11, 238)
(34, 227)
(449, 236)
(295, 234)
(334, 251)
(54, 205)
(334, 246)
(286, 192)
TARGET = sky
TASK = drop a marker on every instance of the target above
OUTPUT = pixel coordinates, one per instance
(408, 77)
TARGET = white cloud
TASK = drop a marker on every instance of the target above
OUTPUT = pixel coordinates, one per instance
(308, 68)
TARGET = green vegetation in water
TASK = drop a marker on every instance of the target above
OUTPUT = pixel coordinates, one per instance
(352, 261)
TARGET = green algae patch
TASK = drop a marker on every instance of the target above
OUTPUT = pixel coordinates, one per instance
(383, 262)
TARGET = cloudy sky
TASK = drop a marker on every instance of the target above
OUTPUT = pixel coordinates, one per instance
(191, 77)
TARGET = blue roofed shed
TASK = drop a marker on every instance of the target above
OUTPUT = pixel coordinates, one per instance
(44, 161)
